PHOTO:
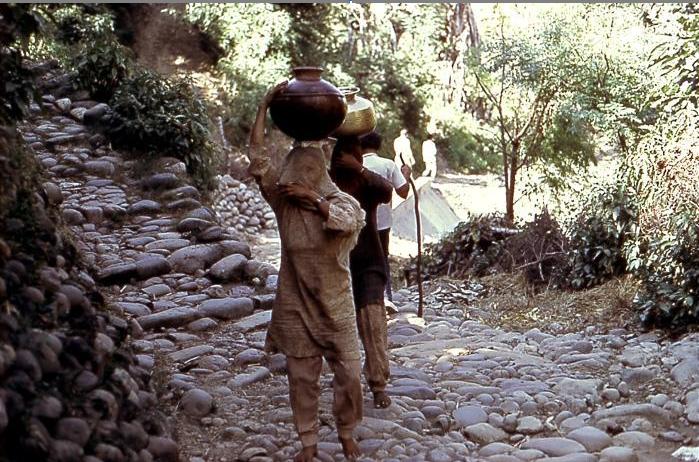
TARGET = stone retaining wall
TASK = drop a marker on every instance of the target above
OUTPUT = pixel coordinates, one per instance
(241, 206)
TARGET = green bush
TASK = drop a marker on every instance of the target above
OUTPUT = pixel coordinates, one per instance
(67, 29)
(17, 88)
(159, 116)
(101, 66)
(255, 39)
(670, 276)
(464, 149)
(663, 173)
(76, 23)
(606, 222)
(472, 248)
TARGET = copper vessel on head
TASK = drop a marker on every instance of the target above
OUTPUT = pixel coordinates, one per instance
(360, 118)
(309, 108)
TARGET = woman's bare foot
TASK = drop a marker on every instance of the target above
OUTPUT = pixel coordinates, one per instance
(381, 400)
(350, 448)
(307, 454)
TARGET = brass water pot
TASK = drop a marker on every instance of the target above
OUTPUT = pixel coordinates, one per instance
(360, 118)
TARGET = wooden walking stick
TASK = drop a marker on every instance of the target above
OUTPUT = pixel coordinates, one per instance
(418, 226)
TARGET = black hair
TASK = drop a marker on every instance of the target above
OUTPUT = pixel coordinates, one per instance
(371, 141)
(344, 144)
(348, 144)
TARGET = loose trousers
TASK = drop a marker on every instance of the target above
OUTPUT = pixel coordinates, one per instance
(384, 237)
(373, 331)
(304, 393)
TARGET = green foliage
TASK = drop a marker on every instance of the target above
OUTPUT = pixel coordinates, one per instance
(101, 66)
(79, 23)
(254, 36)
(670, 276)
(662, 175)
(313, 31)
(16, 91)
(81, 37)
(676, 56)
(465, 144)
(574, 80)
(66, 28)
(570, 132)
(159, 116)
(386, 50)
(607, 221)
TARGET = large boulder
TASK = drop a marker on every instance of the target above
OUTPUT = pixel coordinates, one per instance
(226, 308)
(200, 256)
(174, 317)
(229, 268)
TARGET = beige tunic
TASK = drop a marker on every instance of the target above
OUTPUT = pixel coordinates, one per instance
(313, 314)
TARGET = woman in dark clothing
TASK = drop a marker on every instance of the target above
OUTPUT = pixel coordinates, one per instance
(366, 261)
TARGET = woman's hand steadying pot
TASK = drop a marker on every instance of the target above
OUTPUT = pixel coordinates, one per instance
(272, 92)
(257, 134)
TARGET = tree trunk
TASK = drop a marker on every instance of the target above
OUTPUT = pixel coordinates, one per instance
(462, 33)
(474, 36)
(510, 184)
(622, 143)
(510, 204)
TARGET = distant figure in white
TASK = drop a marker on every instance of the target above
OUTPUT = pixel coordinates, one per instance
(401, 145)
(429, 157)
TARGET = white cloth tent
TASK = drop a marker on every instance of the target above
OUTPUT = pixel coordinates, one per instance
(438, 218)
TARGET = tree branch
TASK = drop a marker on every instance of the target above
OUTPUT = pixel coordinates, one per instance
(485, 89)
(535, 105)
(497, 102)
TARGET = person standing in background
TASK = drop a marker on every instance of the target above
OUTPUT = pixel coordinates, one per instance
(371, 143)
(429, 157)
(401, 145)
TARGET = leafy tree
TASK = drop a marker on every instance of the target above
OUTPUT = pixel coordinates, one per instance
(529, 80)
(314, 35)
(255, 37)
(390, 51)
(677, 54)
(619, 95)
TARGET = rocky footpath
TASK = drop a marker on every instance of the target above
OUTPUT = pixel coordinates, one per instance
(462, 391)
(198, 305)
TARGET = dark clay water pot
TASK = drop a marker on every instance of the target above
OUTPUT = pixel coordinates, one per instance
(310, 108)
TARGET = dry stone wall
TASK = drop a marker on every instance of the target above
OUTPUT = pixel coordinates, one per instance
(71, 387)
(241, 206)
